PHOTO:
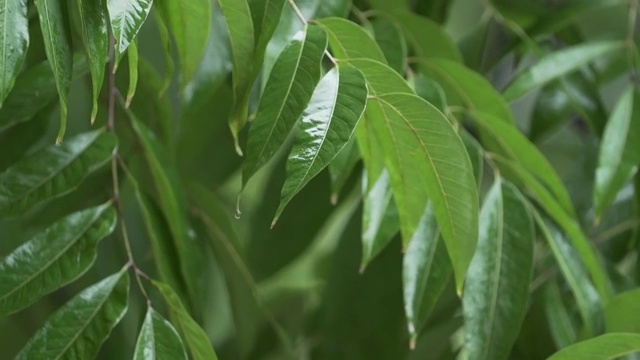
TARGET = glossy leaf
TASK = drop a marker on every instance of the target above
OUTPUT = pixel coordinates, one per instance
(380, 222)
(93, 19)
(158, 339)
(127, 17)
(558, 64)
(57, 43)
(348, 40)
(327, 124)
(15, 40)
(426, 37)
(427, 160)
(389, 37)
(132, 56)
(619, 154)
(53, 171)
(497, 284)
(53, 258)
(620, 313)
(287, 93)
(603, 347)
(78, 329)
(195, 338)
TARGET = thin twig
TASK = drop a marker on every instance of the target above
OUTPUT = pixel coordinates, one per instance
(296, 9)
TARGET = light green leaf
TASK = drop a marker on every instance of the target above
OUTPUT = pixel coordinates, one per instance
(127, 17)
(380, 222)
(619, 154)
(57, 43)
(603, 347)
(169, 64)
(425, 273)
(497, 284)
(348, 40)
(620, 313)
(561, 326)
(287, 93)
(14, 28)
(327, 124)
(93, 19)
(78, 329)
(426, 37)
(132, 56)
(389, 37)
(558, 64)
(53, 258)
(158, 340)
(196, 339)
(53, 171)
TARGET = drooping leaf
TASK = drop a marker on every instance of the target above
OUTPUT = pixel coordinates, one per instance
(57, 43)
(425, 273)
(475, 150)
(53, 258)
(132, 56)
(93, 19)
(14, 28)
(619, 154)
(426, 37)
(497, 285)
(165, 40)
(158, 339)
(427, 160)
(341, 168)
(603, 347)
(78, 329)
(53, 171)
(326, 126)
(195, 338)
(287, 93)
(265, 16)
(561, 326)
(618, 312)
(127, 17)
(350, 41)
(389, 37)
(558, 64)
(380, 222)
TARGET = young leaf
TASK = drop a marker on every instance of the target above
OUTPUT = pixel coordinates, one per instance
(287, 93)
(350, 41)
(93, 19)
(380, 222)
(53, 171)
(57, 43)
(389, 37)
(428, 39)
(158, 340)
(425, 273)
(558, 64)
(326, 126)
(127, 17)
(78, 329)
(497, 284)
(603, 347)
(619, 154)
(66, 249)
(427, 160)
(132, 56)
(196, 339)
(617, 312)
(14, 28)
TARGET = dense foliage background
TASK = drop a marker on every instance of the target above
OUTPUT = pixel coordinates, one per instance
(328, 179)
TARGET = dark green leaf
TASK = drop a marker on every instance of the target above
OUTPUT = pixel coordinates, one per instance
(350, 41)
(165, 40)
(389, 37)
(15, 40)
(127, 17)
(497, 284)
(265, 15)
(341, 168)
(475, 150)
(158, 340)
(426, 37)
(380, 222)
(618, 312)
(561, 326)
(603, 347)
(53, 171)
(78, 329)
(429, 90)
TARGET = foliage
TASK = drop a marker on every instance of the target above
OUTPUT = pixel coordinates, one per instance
(442, 179)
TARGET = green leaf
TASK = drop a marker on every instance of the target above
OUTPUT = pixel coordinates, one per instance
(78, 329)
(265, 15)
(350, 41)
(475, 150)
(380, 77)
(389, 37)
(427, 160)
(165, 40)
(132, 56)
(603, 347)
(619, 154)
(57, 43)
(429, 90)
(93, 19)
(158, 339)
(287, 93)
(127, 17)
(196, 339)
(15, 41)
(190, 23)
(561, 326)
(426, 37)
(341, 168)
(617, 312)
(425, 273)
(558, 64)
(53, 171)
(380, 222)
(497, 284)
(328, 122)
(53, 258)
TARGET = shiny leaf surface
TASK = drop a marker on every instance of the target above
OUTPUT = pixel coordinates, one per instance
(603, 347)
(127, 17)
(158, 339)
(14, 40)
(380, 222)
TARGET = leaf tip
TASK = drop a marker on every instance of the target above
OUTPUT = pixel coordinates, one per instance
(362, 269)
(273, 223)
(236, 144)
(334, 199)
(412, 342)
(238, 213)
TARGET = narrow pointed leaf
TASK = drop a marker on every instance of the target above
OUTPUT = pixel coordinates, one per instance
(474, 149)
(326, 126)
(391, 40)
(158, 340)
(287, 93)
(558, 64)
(53, 258)
(617, 313)
(127, 17)
(93, 20)
(195, 338)
(604, 347)
(380, 222)
(350, 41)
(619, 153)
(561, 326)
(78, 329)
(426, 37)
(53, 171)
(497, 284)
(132, 56)
(14, 28)
(57, 43)
(265, 16)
